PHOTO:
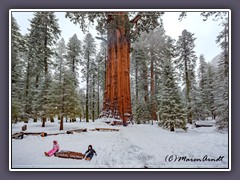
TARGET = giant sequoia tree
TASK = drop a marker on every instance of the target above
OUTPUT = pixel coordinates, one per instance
(122, 28)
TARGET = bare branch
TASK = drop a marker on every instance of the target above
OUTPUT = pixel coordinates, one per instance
(135, 20)
(101, 38)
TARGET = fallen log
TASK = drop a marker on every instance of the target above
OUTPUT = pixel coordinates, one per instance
(80, 130)
(54, 134)
(106, 129)
(18, 135)
(117, 123)
(76, 130)
(69, 155)
(203, 125)
(33, 133)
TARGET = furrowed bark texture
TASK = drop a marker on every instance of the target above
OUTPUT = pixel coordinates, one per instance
(117, 100)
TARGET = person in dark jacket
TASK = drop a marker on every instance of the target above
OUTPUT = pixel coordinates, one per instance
(89, 153)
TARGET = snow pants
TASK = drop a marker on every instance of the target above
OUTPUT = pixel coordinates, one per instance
(90, 155)
(52, 151)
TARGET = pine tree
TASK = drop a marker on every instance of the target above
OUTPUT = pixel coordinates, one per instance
(70, 96)
(89, 50)
(203, 78)
(186, 64)
(210, 90)
(101, 73)
(57, 86)
(141, 97)
(171, 111)
(17, 71)
(73, 55)
(223, 77)
(43, 34)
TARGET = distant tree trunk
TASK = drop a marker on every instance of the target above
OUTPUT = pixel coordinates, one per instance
(93, 99)
(98, 98)
(117, 100)
(61, 123)
(43, 121)
(152, 90)
(45, 58)
(35, 119)
(145, 80)
(27, 87)
(171, 127)
(80, 117)
(189, 112)
(136, 79)
(226, 52)
(73, 70)
(87, 118)
(37, 80)
(51, 118)
(73, 65)
(62, 107)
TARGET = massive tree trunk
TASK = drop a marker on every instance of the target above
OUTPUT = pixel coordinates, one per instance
(117, 100)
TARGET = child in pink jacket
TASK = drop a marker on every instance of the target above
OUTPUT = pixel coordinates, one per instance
(53, 150)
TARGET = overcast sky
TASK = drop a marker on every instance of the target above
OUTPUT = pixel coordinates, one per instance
(205, 31)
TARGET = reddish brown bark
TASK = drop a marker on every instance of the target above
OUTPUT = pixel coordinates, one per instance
(117, 100)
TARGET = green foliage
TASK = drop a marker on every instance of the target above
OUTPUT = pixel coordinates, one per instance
(171, 113)
(222, 91)
(147, 22)
(186, 63)
(17, 72)
(89, 52)
(73, 55)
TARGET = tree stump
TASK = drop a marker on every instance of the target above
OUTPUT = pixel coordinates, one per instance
(24, 128)
(51, 119)
(35, 119)
(44, 134)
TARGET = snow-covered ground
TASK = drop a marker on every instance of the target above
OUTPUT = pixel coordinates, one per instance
(134, 146)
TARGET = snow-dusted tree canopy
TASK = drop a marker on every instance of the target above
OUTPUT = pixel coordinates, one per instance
(169, 82)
